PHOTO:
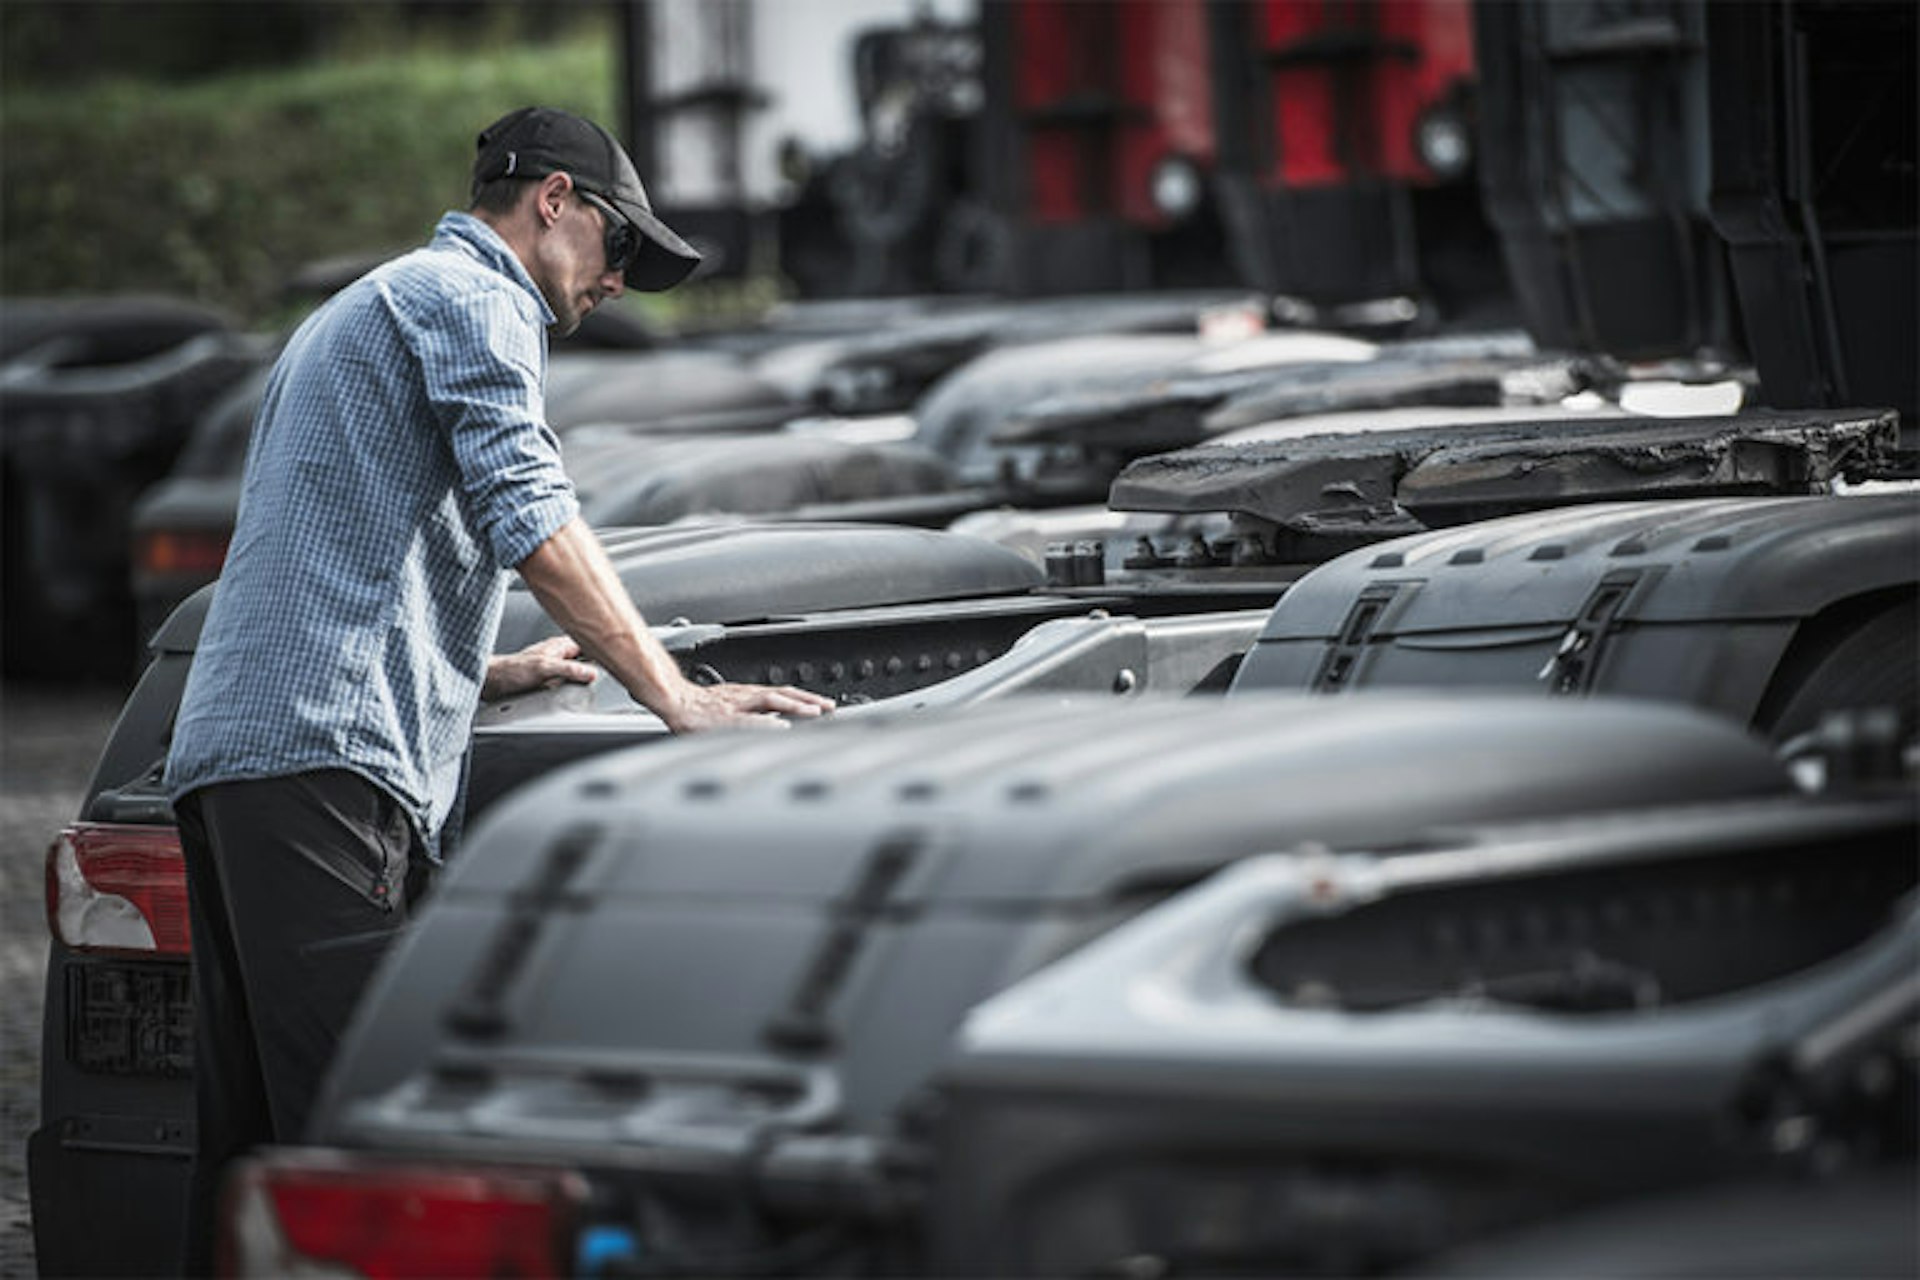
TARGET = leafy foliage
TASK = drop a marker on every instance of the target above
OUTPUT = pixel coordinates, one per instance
(221, 189)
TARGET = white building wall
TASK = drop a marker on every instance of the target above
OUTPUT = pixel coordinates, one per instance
(797, 53)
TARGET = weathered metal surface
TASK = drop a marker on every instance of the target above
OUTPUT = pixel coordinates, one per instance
(1602, 988)
(652, 386)
(1496, 370)
(1175, 409)
(958, 418)
(639, 482)
(1022, 826)
(1442, 474)
(1695, 600)
(886, 370)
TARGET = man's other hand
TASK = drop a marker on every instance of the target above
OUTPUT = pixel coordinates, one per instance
(544, 664)
(716, 706)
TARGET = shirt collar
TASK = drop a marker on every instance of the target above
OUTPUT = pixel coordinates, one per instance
(469, 235)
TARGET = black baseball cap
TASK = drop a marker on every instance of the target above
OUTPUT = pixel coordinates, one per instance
(536, 141)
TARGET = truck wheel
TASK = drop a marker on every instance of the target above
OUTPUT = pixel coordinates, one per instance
(1854, 659)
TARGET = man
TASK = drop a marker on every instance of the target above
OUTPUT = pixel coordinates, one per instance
(400, 463)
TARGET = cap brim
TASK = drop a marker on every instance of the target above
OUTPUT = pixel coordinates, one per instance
(663, 259)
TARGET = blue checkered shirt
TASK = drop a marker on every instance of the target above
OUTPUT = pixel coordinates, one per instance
(400, 465)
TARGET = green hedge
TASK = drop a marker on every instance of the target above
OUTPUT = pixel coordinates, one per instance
(221, 189)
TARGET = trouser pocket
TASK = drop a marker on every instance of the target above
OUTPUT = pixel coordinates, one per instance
(355, 832)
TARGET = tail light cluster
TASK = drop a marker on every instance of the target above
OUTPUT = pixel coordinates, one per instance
(308, 1212)
(164, 552)
(113, 887)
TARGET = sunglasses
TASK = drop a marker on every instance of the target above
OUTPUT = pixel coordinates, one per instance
(622, 239)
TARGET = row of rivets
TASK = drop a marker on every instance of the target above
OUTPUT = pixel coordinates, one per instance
(836, 673)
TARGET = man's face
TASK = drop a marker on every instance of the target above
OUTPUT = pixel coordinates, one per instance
(574, 274)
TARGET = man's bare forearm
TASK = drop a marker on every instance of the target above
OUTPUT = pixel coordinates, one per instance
(571, 577)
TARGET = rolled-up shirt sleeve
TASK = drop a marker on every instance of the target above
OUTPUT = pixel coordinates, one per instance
(483, 360)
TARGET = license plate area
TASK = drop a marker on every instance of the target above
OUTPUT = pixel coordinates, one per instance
(130, 1019)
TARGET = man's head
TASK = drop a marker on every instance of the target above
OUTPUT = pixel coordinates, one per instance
(564, 195)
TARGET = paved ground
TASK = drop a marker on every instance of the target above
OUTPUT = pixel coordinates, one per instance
(48, 741)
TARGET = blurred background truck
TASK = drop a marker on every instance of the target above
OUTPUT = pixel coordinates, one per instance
(924, 180)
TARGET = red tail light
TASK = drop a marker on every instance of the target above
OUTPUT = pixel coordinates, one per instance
(169, 551)
(118, 888)
(311, 1212)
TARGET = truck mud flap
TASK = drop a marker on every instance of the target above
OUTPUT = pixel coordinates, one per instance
(109, 1195)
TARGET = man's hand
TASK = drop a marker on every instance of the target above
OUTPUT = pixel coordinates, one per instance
(715, 706)
(544, 664)
(571, 577)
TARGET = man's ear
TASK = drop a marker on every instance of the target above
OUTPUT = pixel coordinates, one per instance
(550, 197)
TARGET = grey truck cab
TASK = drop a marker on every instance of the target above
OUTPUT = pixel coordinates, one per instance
(1266, 984)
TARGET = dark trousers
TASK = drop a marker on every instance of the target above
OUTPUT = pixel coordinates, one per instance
(296, 886)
